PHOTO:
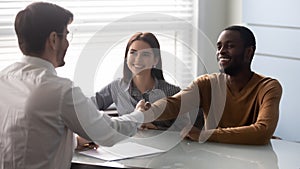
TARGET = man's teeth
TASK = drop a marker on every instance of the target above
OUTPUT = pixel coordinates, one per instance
(224, 59)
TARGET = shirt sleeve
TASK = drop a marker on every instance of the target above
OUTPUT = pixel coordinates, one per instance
(81, 115)
(103, 99)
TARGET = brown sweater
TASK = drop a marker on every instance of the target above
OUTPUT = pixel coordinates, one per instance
(249, 117)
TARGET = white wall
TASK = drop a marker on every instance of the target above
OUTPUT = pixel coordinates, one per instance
(214, 16)
(276, 25)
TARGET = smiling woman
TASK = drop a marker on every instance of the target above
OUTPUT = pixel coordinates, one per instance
(142, 79)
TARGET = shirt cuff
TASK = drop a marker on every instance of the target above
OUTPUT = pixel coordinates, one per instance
(74, 141)
(137, 116)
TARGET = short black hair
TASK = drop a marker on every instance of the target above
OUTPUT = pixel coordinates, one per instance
(246, 34)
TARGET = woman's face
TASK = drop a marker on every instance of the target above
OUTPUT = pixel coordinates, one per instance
(140, 57)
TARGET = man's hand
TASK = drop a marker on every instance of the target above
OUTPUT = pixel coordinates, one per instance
(191, 132)
(142, 106)
(146, 126)
(83, 144)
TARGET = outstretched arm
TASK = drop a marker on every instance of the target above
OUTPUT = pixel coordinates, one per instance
(259, 132)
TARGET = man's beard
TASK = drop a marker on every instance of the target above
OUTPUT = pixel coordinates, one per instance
(61, 61)
(231, 70)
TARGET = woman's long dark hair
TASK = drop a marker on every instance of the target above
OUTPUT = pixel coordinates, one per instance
(153, 42)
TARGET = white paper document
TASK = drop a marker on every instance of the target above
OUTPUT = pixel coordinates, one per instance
(121, 151)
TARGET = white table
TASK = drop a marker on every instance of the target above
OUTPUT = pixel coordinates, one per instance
(279, 154)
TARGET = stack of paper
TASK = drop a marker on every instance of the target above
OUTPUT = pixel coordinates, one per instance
(121, 151)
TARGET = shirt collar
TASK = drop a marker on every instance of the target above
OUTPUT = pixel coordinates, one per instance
(129, 85)
(39, 62)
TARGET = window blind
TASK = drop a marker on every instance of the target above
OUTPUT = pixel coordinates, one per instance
(102, 22)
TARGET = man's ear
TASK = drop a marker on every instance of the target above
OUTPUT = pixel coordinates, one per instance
(249, 53)
(52, 40)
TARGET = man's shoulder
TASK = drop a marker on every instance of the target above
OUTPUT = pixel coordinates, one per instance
(58, 79)
(210, 77)
(11, 68)
(264, 84)
(266, 80)
(36, 74)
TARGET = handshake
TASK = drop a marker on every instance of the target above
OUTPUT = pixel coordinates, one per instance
(143, 106)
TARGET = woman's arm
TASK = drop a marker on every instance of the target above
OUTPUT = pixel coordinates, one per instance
(103, 99)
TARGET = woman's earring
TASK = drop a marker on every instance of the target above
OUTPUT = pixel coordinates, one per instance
(154, 66)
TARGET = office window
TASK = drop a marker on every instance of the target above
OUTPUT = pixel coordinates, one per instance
(101, 29)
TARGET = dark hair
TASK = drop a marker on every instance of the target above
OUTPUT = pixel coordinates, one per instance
(153, 42)
(34, 24)
(246, 35)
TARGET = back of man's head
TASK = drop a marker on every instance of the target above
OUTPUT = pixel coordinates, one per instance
(34, 24)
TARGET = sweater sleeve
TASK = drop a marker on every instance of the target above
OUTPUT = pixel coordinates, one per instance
(168, 108)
